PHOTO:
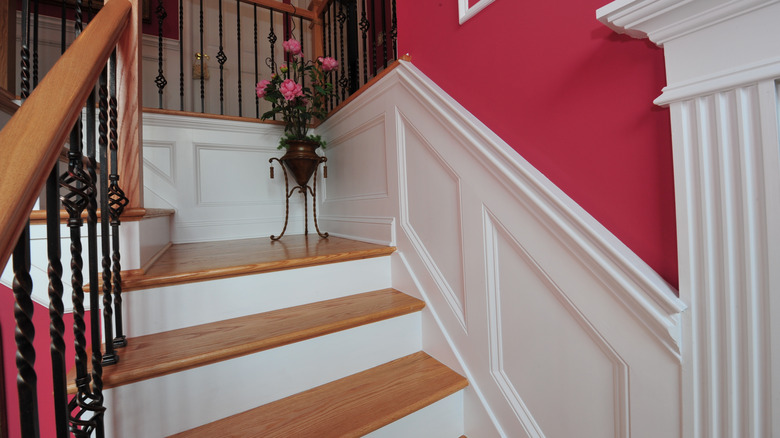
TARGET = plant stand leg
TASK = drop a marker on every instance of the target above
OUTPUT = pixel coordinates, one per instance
(314, 200)
(287, 198)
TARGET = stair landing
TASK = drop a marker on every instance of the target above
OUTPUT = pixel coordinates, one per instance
(190, 262)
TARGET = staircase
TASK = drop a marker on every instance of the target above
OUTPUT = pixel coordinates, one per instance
(297, 338)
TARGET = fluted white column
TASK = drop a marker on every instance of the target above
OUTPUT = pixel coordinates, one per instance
(723, 59)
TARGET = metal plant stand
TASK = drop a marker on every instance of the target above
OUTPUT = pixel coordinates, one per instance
(304, 188)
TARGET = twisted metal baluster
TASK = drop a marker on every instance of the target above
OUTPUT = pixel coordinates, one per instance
(96, 396)
(394, 31)
(257, 71)
(364, 26)
(24, 333)
(329, 49)
(202, 62)
(110, 357)
(181, 55)
(56, 307)
(26, 379)
(117, 202)
(272, 40)
(160, 80)
(343, 81)
(36, 11)
(238, 42)
(221, 58)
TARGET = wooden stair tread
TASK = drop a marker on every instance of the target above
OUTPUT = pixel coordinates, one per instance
(164, 353)
(349, 407)
(190, 262)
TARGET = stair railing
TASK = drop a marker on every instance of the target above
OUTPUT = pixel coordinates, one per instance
(50, 116)
(360, 34)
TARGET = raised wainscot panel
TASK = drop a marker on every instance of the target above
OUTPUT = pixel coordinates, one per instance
(357, 158)
(565, 378)
(431, 213)
(247, 182)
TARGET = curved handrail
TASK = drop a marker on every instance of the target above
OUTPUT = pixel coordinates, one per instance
(30, 143)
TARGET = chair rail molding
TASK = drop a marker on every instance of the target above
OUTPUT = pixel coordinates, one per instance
(723, 65)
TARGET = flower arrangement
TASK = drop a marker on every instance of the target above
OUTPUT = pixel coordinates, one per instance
(298, 91)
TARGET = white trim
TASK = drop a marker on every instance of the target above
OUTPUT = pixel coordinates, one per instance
(465, 12)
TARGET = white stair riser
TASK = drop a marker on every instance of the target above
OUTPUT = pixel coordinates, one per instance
(443, 419)
(170, 404)
(185, 305)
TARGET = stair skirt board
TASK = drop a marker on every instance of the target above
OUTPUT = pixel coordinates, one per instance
(177, 402)
(168, 308)
(443, 419)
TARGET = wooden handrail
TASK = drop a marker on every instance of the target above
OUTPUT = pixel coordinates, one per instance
(31, 141)
(282, 7)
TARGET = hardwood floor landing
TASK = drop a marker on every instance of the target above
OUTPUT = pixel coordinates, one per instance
(189, 262)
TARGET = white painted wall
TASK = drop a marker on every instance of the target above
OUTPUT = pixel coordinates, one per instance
(561, 330)
(723, 67)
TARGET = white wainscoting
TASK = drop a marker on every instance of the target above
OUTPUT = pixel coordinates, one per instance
(561, 330)
(216, 175)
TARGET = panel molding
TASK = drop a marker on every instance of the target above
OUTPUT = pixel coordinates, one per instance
(170, 177)
(453, 299)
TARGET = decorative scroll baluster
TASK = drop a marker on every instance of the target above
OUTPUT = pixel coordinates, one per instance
(238, 44)
(343, 81)
(181, 55)
(25, 52)
(221, 58)
(272, 40)
(257, 71)
(110, 357)
(160, 80)
(364, 26)
(394, 31)
(202, 63)
(117, 201)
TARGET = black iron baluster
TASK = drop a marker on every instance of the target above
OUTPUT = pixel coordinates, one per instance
(257, 71)
(36, 12)
(328, 22)
(373, 40)
(300, 24)
(96, 397)
(160, 80)
(394, 31)
(117, 201)
(3, 396)
(287, 33)
(364, 26)
(181, 55)
(56, 307)
(221, 58)
(26, 379)
(343, 81)
(238, 43)
(110, 357)
(63, 29)
(272, 40)
(202, 63)
(353, 58)
(384, 33)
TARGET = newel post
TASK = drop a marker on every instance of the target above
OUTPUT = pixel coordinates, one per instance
(130, 109)
(723, 75)
(317, 42)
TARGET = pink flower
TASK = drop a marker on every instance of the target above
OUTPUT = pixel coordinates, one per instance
(328, 63)
(292, 46)
(261, 88)
(290, 89)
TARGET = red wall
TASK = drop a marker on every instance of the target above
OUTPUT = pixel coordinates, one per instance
(571, 96)
(42, 361)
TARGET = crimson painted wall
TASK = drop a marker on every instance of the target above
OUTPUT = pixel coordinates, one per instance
(42, 362)
(571, 96)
